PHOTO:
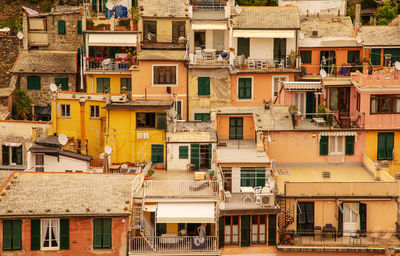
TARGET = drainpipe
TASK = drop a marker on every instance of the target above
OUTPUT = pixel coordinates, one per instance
(83, 135)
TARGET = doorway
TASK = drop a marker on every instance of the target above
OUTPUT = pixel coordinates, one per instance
(310, 104)
(305, 218)
(243, 47)
(205, 156)
(236, 128)
(200, 39)
(339, 99)
(350, 218)
(327, 59)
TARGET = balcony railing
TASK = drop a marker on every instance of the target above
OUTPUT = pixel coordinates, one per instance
(173, 245)
(241, 201)
(103, 24)
(209, 57)
(209, 7)
(181, 188)
(108, 65)
(276, 64)
(352, 120)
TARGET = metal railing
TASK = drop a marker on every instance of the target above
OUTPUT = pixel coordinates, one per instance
(173, 244)
(209, 7)
(352, 120)
(242, 201)
(181, 188)
(332, 237)
(205, 57)
(112, 65)
(267, 63)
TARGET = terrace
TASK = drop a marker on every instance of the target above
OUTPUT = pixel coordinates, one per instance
(251, 64)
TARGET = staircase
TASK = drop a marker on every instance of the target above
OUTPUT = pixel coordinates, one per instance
(287, 213)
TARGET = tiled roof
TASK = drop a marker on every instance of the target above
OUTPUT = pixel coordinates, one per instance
(331, 32)
(3, 177)
(380, 35)
(46, 62)
(164, 8)
(73, 194)
(266, 17)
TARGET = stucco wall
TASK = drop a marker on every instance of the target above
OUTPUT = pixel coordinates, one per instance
(59, 164)
(115, 82)
(264, 47)
(223, 127)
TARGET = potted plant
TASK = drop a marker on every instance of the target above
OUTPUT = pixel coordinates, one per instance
(135, 16)
(149, 174)
(243, 66)
(293, 111)
(89, 24)
(303, 71)
(292, 58)
(231, 49)
(101, 26)
(123, 25)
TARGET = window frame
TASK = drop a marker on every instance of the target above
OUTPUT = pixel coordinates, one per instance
(307, 57)
(353, 59)
(258, 232)
(164, 65)
(230, 228)
(227, 174)
(286, 79)
(152, 120)
(335, 141)
(12, 153)
(202, 115)
(128, 86)
(200, 92)
(384, 135)
(65, 110)
(393, 98)
(254, 178)
(103, 79)
(251, 89)
(178, 106)
(94, 111)
(57, 238)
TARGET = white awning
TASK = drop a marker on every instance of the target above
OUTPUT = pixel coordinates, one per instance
(185, 213)
(127, 40)
(337, 134)
(209, 26)
(302, 85)
(264, 33)
(12, 144)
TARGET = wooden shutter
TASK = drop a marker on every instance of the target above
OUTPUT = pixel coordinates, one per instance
(7, 234)
(248, 88)
(17, 235)
(156, 75)
(79, 27)
(100, 85)
(276, 48)
(272, 229)
(349, 145)
(183, 152)
(241, 88)
(64, 234)
(161, 121)
(94, 5)
(203, 85)
(209, 155)
(221, 230)
(340, 220)
(107, 233)
(61, 27)
(195, 156)
(5, 155)
(97, 233)
(389, 145)
(245, 230)
(154, 157)
(363, 217)
(381, 146)
(35, 235)
(376, 57)
(33, 82)
(282, 48)
(323, 146)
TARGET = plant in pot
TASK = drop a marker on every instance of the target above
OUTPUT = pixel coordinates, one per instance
(292, 58)
(303, 71)
(243, 66)
(149, 174)
(89, 24)
(135, 16)
(101, 26)
(293, 112)
(123, 25)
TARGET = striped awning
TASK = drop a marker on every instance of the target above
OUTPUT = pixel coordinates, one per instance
(337, 134)
(314, 86)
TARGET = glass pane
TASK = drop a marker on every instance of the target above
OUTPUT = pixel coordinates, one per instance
(262, 228)
(333, 98)
(262, 238)
(227, 230)
(254, 238)
(397, 105)
(385, 105)
(235, 239)
(235, 220)
(374, 106)
(227, 239)
(340, 141)
(235, 229)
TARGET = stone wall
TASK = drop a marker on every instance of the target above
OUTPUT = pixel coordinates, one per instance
(9, 48)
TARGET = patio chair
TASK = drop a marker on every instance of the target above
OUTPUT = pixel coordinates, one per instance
(228, 196)
(356, 236)
(281, 64)
(258, 190)
(354, 123)
(338, 124)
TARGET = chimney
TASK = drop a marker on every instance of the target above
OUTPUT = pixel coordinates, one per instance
(34, 134)
(326, 176)
(358, 17)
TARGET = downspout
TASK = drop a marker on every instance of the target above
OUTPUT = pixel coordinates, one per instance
(83, 135)
(187, 90)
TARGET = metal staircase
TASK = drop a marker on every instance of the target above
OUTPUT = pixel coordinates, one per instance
(287, 213)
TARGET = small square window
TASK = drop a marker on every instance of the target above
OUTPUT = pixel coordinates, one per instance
(65, 110)
(94, 111)
(244, 88)
(305, 57)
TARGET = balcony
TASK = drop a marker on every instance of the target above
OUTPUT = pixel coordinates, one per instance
(108, 65)
(265, 65)
(181, 188)
(209, 57)
(323, 121)
(209, 9)
(101, 24)
(174, 245)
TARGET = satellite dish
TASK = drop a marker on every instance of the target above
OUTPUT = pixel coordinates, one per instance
(106, 62)
(322, 72)
(108, 150)
(62, 139)
(110, 5)
(20, 35)
(101, 156)
(358, 39)
(301, 35)
(238, 9)
(124, 166)
(397, 65)
(53, 87)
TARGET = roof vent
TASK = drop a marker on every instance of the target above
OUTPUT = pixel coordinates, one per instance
(315, 33)
(326, 175)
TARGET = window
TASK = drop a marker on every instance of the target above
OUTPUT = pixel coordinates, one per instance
(13, 151)
(305, 217)
(16, 155)
(227, 172)
(157, 153)
(94, 111)
(277, 84)
(12, 235)
(62, 82)
(39, 162)
(353, 57)
(252, 176)
(178, 30)
(385, 104)
(126, 84)
(339, 98)
(178, 109)
(79, 146)
(231, 229)
(204, 117)
(103, 85)
(244, 88)
(336, 145)
(65, 110)
(235, 128)
(279, 48)
(164, 75)
(102, 233)
(50, 234)
(61, 27)
(150, 31)
(183, 152)
(203, 86)
(305, 57)
(145, 120)
(258, 229)
(385, 145)
(5, 155)
(33, 82)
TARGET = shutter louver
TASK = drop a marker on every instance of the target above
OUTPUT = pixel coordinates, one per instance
(64, 234)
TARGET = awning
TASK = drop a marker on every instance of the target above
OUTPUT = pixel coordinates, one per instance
(185, 213)
(150, 207)
(12, 144)
(209, 26)
(302, 86)
(337, 134)
(264, 33)
(126, 40)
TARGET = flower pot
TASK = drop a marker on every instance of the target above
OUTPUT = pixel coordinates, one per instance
(108, 27)
(243, 67)
(120, 28)
(134, 28)
(89, 26)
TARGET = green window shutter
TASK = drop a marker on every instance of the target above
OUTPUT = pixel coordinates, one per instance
(35, 235)
(183, 152)
(5, 155)
(195, 156)
(363, 217)
(248, 88)
(97, 233)
(157, 153)
(209, 155)
(349, 145)
(94, 5)
(63, 81)
(272, 229)
(64, 234)
(245, 230)
(91, 51)
(221, 230)
(376, 57)
(203, 86)
(107, 233)
(7, 234)
(204, 117)
(79, 27)
(340, 220)
(61, 27)
(323, 146)
(244, 88)
(161, 121)
(33, 82)
(389, 145)
(381, 146)
(17, 235)
(19, 155)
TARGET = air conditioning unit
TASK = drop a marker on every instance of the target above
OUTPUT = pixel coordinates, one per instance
(266, 200)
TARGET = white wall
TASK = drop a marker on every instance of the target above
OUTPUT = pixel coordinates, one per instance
(173, 161)
(52, 164)
(235, 179)
(263, 48)
(323, 7)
